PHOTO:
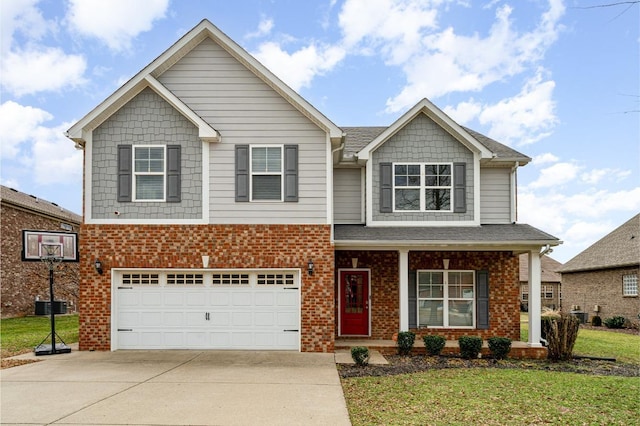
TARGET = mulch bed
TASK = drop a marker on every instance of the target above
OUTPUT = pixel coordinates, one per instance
(417, 363)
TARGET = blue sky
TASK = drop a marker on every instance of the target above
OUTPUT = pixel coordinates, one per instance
(556, 80)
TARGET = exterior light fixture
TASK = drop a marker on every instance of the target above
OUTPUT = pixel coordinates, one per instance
(98, 266)
(310, 267)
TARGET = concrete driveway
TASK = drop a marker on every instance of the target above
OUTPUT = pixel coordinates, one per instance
(175, 388)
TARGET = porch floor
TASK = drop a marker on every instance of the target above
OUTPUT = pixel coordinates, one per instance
(520, 350)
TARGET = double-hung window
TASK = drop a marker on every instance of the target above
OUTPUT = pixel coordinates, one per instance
(149, 173)
(422, 186)
(630, 285)
(266, 173)
(446, 299)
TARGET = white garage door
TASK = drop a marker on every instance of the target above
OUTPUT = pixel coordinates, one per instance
(207, 310)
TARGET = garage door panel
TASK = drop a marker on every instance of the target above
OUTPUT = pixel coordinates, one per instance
(246, 316)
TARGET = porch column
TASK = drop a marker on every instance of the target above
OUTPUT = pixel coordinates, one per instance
(403, 271)
(535, 305)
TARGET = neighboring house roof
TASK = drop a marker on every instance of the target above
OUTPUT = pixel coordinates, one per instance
(24, 201)
(549, 268)
(148, 78)
(485, 235)
(619, 248)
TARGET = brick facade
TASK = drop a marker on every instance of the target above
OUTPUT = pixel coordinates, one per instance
(504, 315)
(603, 288)
(228, 246)
(23, 282)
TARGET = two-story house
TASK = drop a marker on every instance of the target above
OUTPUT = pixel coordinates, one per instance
(229, 213)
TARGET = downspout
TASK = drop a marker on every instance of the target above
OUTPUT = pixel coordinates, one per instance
(546, 250)
(514, 171)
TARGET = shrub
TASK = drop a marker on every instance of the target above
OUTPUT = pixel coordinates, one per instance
(434, 344)
(596, 321)
(547, 316)
(561, 336)
(360, 355)
(500, 347)
(405, 342)
(614, 322)
(470, 346)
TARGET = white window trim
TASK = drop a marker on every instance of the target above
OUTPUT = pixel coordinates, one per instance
(423, 186)
(445, 299)
(136, 174)
(627, 281)
(251, 173)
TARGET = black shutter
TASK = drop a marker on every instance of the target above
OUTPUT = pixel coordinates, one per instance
(125, 175)
(291, 173)
(459, 187)
(242, 173)
(482, 301)
(386, 188)
(413, 299)
(173, 174)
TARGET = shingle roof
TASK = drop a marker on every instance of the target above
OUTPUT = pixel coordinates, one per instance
(35, 204)
(619, 248)
(357, 138)
(548, 265)
(506, 233)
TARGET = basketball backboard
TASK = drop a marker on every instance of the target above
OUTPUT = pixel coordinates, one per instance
(39, 244)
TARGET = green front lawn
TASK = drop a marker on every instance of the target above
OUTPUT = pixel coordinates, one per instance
(492, 397)
(21, 335)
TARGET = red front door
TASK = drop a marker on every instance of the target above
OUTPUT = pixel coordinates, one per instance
(354, 303)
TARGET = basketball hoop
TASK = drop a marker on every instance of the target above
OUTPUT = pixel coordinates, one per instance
(51, 255)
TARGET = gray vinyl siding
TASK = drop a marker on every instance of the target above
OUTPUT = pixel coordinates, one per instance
(245, 110)
(347, 196)
(495, 196)
(420, 141)
(145, 120)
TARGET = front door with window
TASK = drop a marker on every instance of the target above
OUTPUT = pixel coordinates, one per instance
(354, 303)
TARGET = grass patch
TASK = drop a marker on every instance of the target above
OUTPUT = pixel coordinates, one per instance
(492, 397)
(601, 343)
(21, 335)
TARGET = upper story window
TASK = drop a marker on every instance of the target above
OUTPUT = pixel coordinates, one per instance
(149, 173)
(266, 173)
(422, 187)
(446, 298)
(630, 285)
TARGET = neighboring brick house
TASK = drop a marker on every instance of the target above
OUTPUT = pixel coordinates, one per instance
(551, 285)
(229, 213)
(603, 279)
(23, 282)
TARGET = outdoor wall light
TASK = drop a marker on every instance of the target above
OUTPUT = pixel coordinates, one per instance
(98, 266)
(310, 267)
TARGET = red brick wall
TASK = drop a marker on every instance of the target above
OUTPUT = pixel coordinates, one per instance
(228, 246)
(22, 281)
(504, 314)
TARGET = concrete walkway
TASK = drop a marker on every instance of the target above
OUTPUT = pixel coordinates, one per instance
(174, 388)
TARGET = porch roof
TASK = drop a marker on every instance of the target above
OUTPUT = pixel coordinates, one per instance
(511, 236)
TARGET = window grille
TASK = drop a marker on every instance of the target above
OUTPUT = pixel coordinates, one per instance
(275, 279)
(140, 279)
(184, 279)
(230, 279)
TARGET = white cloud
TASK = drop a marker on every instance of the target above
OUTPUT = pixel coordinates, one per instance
(298, 69)
(525, 118)
(42, 69)
(264, 28)
(115, 22)
(578, 219)
(31, 67)
(596, 175)
(18, 124)
(464, 112)
(445, 62)
(556, 175)
(47, 155)
(545, 158)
